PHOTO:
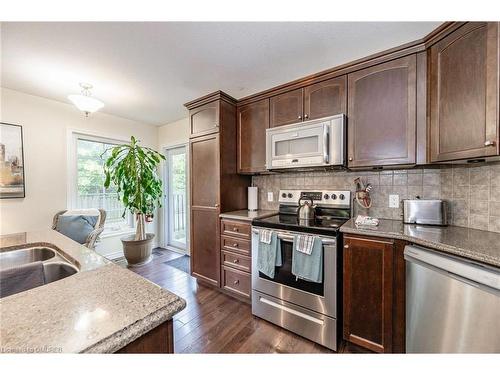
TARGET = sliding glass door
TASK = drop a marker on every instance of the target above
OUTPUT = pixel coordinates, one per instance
(176, 198)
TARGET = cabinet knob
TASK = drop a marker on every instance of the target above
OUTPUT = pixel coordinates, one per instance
(216, 125)
(235, 229)
(489, 143)
(300, 117)
(236, 282)
(236, 261)
(235, 245)
(346, 246)
(350, 159)
(216, 205)
(306, 116)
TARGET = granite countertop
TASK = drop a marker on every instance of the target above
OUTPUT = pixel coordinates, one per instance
(100, 309)
(246, 215)
(474, 244)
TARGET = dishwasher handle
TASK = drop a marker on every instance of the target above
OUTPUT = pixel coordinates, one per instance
(468, 272)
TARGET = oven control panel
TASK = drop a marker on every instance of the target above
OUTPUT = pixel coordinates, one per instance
(321, 197)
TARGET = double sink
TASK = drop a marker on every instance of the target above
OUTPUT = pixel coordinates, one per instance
(55, 265)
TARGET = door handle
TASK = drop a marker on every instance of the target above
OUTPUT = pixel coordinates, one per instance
(489, 143)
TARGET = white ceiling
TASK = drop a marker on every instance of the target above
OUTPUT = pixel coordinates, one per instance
(146, 71)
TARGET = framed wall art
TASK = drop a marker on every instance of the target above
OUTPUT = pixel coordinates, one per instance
(12, 183)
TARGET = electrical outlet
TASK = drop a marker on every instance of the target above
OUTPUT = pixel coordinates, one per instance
(270, 196)
(393, 201)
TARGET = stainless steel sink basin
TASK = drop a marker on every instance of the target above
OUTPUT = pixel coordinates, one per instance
(57, 271)
(15, 258)
(16, 279)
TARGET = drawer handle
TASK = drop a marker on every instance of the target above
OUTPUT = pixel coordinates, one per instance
(236, 282)
(235, 245)
(235, 229)
(236, 261)
(489, 143)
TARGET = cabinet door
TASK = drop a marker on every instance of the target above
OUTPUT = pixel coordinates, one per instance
(382, 114)
(325, 98)
(205, 254)
(286, 108)
(368, 294)
(204, 119)
(253, 120)
(205, 164)
(464, 93)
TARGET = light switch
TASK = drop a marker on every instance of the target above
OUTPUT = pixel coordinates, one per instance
(393, 201)
(270, 196)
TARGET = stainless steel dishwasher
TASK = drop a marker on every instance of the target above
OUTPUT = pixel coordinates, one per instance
(452, 305)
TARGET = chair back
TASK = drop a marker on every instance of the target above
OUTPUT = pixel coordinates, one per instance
(98, 228)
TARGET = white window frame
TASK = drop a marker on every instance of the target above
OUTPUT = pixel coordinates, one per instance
(165, 205)
(73, 137)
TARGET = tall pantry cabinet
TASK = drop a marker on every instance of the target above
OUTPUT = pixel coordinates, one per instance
(215, 186)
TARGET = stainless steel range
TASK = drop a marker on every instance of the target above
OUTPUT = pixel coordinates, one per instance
(312, 310)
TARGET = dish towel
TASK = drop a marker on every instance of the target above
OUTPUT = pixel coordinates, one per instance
(20, 278)
(265, 236)
(305, 266)
(366, 220)
(269, 255)
(305, 243)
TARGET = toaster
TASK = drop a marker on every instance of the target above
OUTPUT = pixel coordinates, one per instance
(425, 211)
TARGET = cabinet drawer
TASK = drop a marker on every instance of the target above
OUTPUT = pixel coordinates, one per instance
(236, 281)
(235, 245)
(238, 261)
(236, 229)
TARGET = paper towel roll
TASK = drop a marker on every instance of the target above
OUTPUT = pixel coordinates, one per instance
(253, 201)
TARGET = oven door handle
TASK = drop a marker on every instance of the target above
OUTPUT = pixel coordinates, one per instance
(289, 237)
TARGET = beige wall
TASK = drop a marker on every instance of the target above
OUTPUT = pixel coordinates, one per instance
(171, 134)
(174, 133)
(46, 124)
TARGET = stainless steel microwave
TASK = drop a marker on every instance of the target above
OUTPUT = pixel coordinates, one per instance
(314, 143)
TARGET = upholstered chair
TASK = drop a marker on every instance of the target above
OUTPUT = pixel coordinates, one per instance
(90, 239)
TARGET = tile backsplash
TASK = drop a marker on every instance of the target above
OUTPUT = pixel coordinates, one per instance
(473, 192)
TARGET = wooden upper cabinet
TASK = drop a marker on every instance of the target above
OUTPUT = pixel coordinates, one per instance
(253, 120)
(382, 114)
(205, 171)
(286, 108)
(368, 293)
(325, 98)
(463, 89)
(204, 119)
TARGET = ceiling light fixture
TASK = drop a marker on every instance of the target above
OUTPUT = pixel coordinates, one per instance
(85, 102)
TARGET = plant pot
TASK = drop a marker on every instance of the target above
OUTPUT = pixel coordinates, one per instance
(137, 252)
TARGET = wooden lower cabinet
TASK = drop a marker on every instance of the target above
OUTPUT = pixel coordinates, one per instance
(373, 293)
(158, 340)
(205, 260)
(236, 258)
(236, 281)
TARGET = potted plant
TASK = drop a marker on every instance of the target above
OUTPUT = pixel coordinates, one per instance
(133, 170)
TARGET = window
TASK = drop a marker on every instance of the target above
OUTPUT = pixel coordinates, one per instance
(88, 191)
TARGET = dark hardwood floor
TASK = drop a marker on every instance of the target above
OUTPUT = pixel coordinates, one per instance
(213, 322)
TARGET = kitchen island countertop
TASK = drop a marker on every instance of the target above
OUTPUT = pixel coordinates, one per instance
(100, 309)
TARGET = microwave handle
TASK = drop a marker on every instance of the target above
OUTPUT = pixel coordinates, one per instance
(325, 144)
